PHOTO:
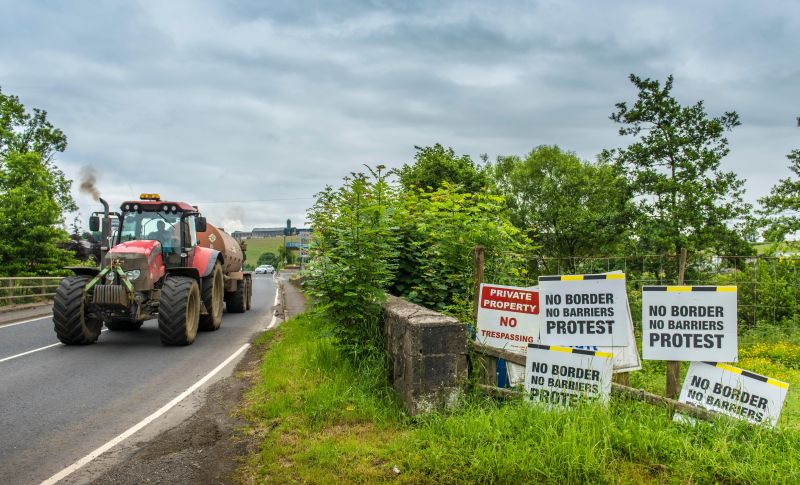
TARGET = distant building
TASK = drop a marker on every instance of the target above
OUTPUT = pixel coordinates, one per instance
(263, 232)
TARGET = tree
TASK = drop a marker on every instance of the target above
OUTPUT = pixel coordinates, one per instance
(354, 258)
(268, 258)
(23, 132)
(435, 165)
(569, 206)
(781, 208)
(29, 214)
(438, 232)
(684, 199)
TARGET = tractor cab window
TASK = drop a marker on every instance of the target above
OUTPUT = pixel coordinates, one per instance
(191, 237)
(163, 227)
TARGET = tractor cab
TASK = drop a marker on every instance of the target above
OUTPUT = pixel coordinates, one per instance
(173, 225)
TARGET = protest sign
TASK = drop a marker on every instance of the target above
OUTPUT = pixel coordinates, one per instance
(694, 323)
(582, 310)
(563, 376)
(734, 392)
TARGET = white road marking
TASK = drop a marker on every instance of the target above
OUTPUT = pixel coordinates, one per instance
(25, 321)
(31, 351)
(141, 424)
(274, 316)
(38, 350)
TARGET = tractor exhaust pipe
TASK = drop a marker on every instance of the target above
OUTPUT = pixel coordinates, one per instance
(105, 242)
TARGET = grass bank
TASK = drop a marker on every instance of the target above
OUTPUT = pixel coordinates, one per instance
(321, 419)
(258, 246)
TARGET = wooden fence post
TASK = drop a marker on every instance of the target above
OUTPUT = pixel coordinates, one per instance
(673, 366)
(478, 280)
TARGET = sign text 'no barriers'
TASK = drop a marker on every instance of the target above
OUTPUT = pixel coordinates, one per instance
(584, 310)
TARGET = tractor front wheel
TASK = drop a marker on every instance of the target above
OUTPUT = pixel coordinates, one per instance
(179, 311)
(72, 325)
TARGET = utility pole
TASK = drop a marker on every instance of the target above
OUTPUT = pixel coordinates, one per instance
(286, 232)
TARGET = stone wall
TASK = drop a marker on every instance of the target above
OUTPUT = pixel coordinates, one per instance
(428, 355)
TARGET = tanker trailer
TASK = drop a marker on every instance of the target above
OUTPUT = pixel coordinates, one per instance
(238, 284)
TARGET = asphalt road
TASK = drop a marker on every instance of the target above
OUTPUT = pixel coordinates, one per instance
(59, 404)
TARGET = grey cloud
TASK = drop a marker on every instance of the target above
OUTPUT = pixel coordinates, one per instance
(249, 100)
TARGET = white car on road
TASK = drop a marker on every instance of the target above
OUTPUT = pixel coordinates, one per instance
(265, 269)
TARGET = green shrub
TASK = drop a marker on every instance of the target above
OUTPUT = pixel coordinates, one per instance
(354, 258)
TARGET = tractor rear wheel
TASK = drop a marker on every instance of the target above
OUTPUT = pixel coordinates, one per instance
(249, 292)
(179, 311)
(72, 325)
(213, 298)
(237, 301)
(123, 325)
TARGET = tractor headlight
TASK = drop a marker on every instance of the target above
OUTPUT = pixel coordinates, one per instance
(110, 278)
(133, 274)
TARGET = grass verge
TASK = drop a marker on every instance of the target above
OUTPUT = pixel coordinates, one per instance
(320, 419)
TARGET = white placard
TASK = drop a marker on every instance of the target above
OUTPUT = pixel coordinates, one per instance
(626, 359)
(560, 376)
(734, 392)
(693, 323)
(584, 310)
(508, 317)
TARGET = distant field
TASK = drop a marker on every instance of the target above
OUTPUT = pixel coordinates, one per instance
(789, 247)
(257, 247)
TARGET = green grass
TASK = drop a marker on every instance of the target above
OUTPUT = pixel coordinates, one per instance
(257, 247)
(322, 420)
(766, 248)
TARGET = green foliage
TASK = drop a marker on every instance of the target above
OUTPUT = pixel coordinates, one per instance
(571, 207)
(29, 214)
(268, 258)
(780, 209)
(286, 256)
(439, 231)
(433, 166)
(684, 199)
(355, 258)
(22, 132)
(768, 292)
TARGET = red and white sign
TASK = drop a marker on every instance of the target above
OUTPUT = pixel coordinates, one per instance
(508, 317)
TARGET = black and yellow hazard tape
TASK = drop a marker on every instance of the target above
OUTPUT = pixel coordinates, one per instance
(752, 375)
(583, 277)
(680, 289)
(569, 350)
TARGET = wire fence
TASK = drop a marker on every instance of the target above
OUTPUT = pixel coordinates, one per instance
(768, 286)
(27, 289)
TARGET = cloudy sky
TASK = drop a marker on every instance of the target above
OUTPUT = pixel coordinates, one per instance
(249, 107)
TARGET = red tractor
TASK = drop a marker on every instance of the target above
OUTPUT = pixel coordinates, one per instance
(164, 261)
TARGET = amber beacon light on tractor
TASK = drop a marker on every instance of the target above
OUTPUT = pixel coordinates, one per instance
(159, 259)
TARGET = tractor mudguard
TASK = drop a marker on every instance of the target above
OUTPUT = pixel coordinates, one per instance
(84, 270)
(190, 272)
(205, 259)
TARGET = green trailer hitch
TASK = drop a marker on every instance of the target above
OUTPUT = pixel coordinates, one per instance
(116, 268)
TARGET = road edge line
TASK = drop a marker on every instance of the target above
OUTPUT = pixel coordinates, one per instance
(141, 424)
(275, 304)
(12, 324)
(12, 357)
